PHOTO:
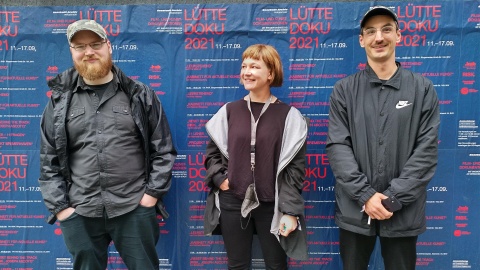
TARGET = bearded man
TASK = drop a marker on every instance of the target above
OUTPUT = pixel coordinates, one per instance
(106, 156)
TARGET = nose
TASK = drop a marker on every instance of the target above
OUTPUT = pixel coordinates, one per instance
(378, 35)
(89, 50)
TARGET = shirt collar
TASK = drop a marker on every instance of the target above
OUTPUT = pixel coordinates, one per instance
(81, 85)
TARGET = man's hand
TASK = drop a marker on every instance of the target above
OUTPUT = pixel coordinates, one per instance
(65, 213)
(375, 209)
(148, 201)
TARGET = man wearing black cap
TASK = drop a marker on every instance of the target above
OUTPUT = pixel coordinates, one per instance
(106, 156)
(382, 147)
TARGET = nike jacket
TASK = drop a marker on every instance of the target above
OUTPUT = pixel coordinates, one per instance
(383, 137)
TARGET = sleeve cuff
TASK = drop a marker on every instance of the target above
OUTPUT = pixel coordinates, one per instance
(366, 196)
(219, 178)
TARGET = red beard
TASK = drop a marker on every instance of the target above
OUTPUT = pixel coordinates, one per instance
(94, 72)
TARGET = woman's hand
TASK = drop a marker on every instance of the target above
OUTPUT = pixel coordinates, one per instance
(224, 185)
(288, 224)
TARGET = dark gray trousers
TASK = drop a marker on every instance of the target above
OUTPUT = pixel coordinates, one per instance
(134, 235)
(399, 253)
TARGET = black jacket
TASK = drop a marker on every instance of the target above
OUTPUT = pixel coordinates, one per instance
(55, 179)
(383, 137)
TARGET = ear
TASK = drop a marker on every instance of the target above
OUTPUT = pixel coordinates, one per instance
(109, 46)
(361, 41)
(270, 75)
(399, 36)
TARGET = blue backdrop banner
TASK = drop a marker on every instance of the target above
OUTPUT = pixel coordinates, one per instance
(191, 55)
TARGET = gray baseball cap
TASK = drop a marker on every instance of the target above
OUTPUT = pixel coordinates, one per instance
(89, 25)
(378, 10)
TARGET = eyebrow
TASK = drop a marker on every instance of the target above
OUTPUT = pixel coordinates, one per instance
(387, 24)
(100, 40)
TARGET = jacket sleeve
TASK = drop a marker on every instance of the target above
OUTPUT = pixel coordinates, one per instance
(53, 184)
(290, 200)
(421, 165)
(216, 160)
(216, 169)
(339, 150)
(162, 151)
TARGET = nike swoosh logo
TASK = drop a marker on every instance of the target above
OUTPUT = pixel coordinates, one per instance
(402, 104)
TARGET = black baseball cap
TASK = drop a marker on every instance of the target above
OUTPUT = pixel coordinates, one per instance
(378, 10)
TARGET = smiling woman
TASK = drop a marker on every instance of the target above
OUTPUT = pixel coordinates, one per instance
(256, 169)
(255, 77)
(261, 68)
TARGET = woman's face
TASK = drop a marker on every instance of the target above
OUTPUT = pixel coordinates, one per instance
(255, 75)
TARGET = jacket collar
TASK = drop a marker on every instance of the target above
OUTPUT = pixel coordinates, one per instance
(394, 81)
(293, 137)
(70, 79)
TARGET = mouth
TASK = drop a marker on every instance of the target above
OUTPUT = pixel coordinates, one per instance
(90, 60)
(379, 47)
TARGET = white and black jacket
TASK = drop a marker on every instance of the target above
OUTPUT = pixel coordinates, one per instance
(289, 178)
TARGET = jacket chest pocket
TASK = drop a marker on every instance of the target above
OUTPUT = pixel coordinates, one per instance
(124, 124)
(76, 123)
